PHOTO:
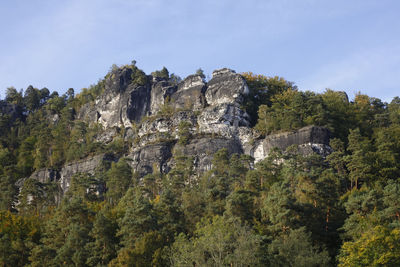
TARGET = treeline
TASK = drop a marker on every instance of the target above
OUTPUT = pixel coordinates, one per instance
(287, 210)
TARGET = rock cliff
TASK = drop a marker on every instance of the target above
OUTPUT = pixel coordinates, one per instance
(153, 116)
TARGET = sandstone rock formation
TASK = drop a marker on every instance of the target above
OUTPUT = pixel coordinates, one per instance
(151, 115)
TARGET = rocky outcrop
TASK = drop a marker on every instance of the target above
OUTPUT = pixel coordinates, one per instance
(89, 165)
(226, 86)
(122, 102)
(309, 139)
(161, 91)
(190, 94)
(224, 116)
(144, 160)
(163, 127)
(152, 117)
(63, 177)
(201, 150)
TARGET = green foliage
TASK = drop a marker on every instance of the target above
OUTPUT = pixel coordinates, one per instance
(119, 177)
(201, 73)
(13, 96)
(18, 235)
(290, 110)
(184, 134)
(295, 248)
(163, 73)
(261, 90)
(138, 76)
(218, 242)
(377, 247)
(102, 249)
(286, 210)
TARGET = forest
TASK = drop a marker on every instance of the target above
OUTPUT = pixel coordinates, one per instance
(286, 210)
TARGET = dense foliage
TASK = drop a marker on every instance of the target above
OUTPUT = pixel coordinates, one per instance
(287, 210)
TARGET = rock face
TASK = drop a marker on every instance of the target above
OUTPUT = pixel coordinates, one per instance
(121, 103)
(63, 177)
(156, 114)
(46, 175)
(203, 149)
(190, 94)
(160, 91)
(149, 157)
(309, 139)
(226, 86)
(89, 165)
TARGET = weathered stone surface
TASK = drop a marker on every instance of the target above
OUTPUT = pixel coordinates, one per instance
(203, 149)
(167, 124)
(161, 89)
(190, 94)
(222, 119)
(45, 175)
(121, 103)
(213, 110)
(226, 86)
(145, 159)
(88, 165)
(309, 139)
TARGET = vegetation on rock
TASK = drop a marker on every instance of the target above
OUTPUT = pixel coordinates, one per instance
(286, 210)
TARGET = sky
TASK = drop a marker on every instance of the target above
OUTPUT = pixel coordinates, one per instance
(351, 46)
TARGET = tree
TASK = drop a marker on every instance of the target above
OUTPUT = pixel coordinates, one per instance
(13, 96)
(25, 155)
(66, 235)
(377, 247)
(163, 73)
(362, 207)
(240, 204)
(44, 94)
(138, 218)
(70, 94)
(295, 248)
(279, 211)
(103, 248)
(18, 235)
(262, 88)
(360, 162)
(218, 242)
(200, 72)
(340, 117)
(32, 98)
(119, 177)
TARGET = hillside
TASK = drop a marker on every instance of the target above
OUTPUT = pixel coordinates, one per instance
(240, 170)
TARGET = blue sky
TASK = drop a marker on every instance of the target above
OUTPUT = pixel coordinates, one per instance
(343, 45)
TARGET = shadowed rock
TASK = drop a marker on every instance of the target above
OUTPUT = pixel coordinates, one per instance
(203, 149)
(145, 159)
(309, 139)
(190, 94)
